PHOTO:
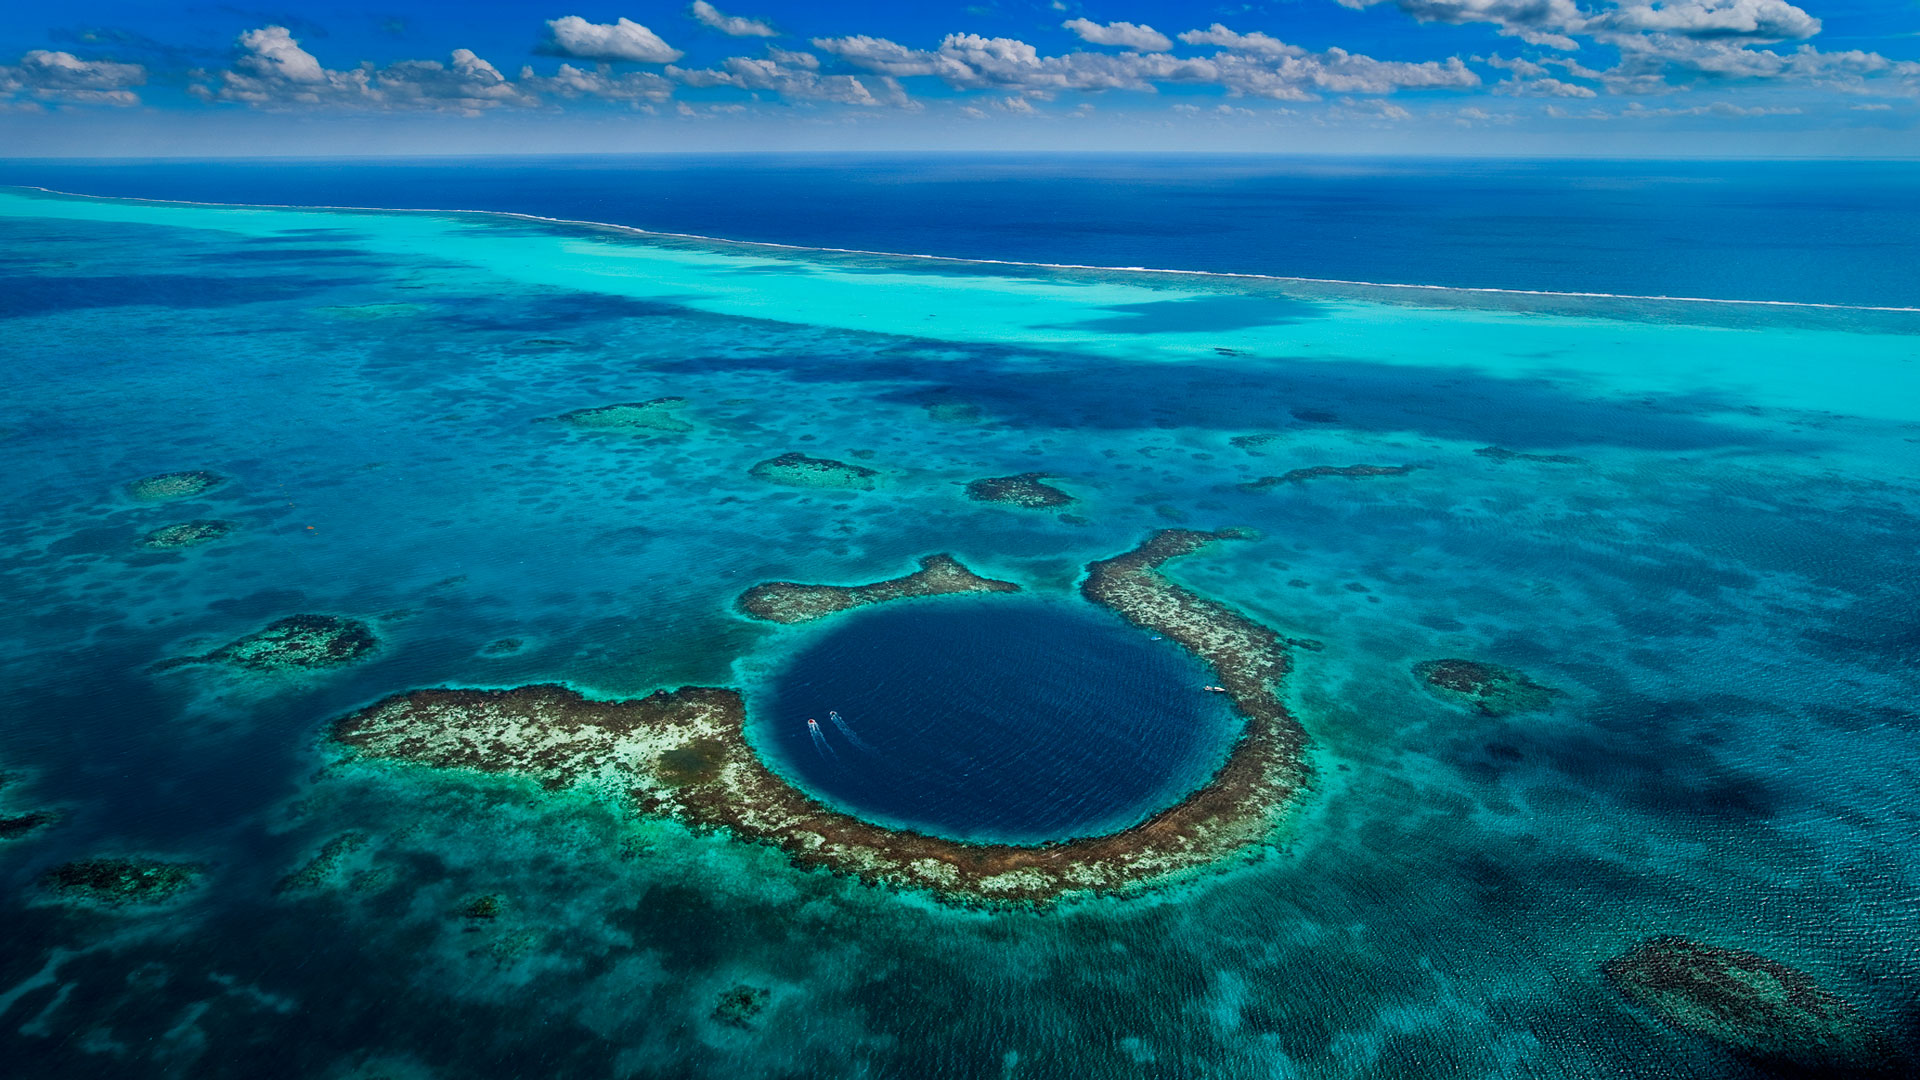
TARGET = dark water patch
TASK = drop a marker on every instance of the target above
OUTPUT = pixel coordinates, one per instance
(546, 315)
(331, 256)
(43, 294)
(1199, 314)
(1028, 388)
(1015, 720)
(1661, 757)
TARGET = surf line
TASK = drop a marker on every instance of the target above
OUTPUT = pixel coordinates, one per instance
(635, 230)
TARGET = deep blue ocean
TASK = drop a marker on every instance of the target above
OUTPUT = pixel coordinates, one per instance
(1696, 523)
(1823, 232)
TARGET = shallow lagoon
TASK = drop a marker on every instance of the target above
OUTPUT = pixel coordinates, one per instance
(1720, 584)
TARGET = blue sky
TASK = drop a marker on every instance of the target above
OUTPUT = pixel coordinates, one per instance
(1605, 77)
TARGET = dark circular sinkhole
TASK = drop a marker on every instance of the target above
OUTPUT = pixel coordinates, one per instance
(1006, 720)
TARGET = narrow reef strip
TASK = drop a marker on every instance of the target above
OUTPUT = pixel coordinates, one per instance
(1501, 453)
(792, 602)
(1314, 472)
(683, 754)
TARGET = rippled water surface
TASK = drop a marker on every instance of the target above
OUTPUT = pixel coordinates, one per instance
(1696, 523)
(995, 719)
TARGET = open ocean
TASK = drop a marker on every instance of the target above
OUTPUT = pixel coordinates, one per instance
(1696, 520)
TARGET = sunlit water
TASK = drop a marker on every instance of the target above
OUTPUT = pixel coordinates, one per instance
(1722, 584)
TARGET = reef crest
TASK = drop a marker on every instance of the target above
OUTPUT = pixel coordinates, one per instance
(684, 754)
(792, 602)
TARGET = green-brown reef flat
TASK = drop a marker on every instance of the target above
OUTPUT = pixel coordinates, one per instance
(684, 754)
(799, 470)
(1486, 688)
(655, 415)
(293, 643)
(1025, 490)
(1756, 1007)
(116, 882)
(187, 534)
(163, 487)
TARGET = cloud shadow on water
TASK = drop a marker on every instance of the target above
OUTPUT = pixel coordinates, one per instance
(1038, 389)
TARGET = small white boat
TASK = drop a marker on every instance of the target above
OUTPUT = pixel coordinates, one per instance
(1208, 689)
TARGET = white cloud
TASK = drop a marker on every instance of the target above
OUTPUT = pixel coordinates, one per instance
(1279, 71)
(622, 40)
(272, 53)
(794, 81)
(795, 59)
(1718, 108)
(1257, 43)
(1543, 88)
(65, 79)
(1537, 22)
(1756, 20)
(635, 87)
(1124, 34)
(1375, 109)
(1554, 23)
(731, 25)
(275, 72)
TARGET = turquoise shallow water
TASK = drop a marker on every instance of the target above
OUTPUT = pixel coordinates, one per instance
(1720, 581)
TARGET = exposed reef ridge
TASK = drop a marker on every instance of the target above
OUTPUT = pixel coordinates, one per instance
(1025, 490)
(293, 643)
(1487, 688)
(1757, 1007)
(799, 470)
(118, 882)
(654, 415)
(684, 754)
(162, 487)
(792, 602)
(187, 534)
(1314, 472)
